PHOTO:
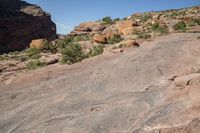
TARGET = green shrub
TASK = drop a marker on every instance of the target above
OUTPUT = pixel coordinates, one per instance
(173, 15)
(146, 18)
(79, 38)
(116, 19)
(180, 26)
(97, 50)
(33, 53)
(157, 28)
(23, 58)
(2, 58)
(34, 64)
(114, 39)
(142, 35)
(72, 53)
(62, 43)
(197, 21)
(107, 20)
(48, 47)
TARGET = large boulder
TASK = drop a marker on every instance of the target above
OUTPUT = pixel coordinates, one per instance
(110, 31)
(99, 38)
(21, 22)
(38, 43)
(88, 28)
(125, 27)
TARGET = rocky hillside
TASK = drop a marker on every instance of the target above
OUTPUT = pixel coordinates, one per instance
(21, 22)
(154, 88)
(147, 79)
(86, 40)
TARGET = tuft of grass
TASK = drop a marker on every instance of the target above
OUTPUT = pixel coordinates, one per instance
(23, 58)
(72, 53)
(114, 39)
(157, 28)
(48, 47)
(79, 38)
(181, 26)
(197, 21)
(97, 50)
(34, 64)
(146, 18)
(33, 53)
(142, 35)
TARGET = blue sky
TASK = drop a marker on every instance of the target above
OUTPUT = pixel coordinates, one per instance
(69, 13)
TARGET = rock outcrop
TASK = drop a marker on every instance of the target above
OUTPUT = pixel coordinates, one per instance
(89, 28)
(21, 22)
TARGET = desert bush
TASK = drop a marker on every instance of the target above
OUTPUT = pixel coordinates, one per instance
(173, 14)
(114, 39)
(62, 44)
(33, 53)
(116, 19)
(157, 28)
(72, 53)
(79, 38)
(180, 26)
(197, 21)
(142, 35)
(107, 20)
(146, 18)
(23, 58)
(97, 50)
(48, 47)
(34, 64)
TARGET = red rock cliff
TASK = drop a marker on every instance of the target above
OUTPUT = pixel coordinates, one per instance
(20, 22)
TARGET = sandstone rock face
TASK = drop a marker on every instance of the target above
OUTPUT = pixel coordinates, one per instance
(110, 31)
(88, 28)
(125, 27)
(99, 38)
(21, 22)
(37, 43)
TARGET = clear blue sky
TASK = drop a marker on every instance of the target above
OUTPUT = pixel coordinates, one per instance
(69, 13)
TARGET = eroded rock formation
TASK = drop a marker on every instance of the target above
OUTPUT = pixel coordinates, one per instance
(20, 22)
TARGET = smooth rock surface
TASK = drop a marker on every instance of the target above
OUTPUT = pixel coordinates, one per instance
(129, 92)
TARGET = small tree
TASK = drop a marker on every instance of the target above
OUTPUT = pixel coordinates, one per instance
(107, 20)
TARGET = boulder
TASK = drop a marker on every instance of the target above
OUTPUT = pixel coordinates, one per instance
(88, 28)
(37, 43)
(130, 43)
(183, 81)
(22, 22)
(125, 27)
(110, 32)
(49, 59)
(99, 38)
